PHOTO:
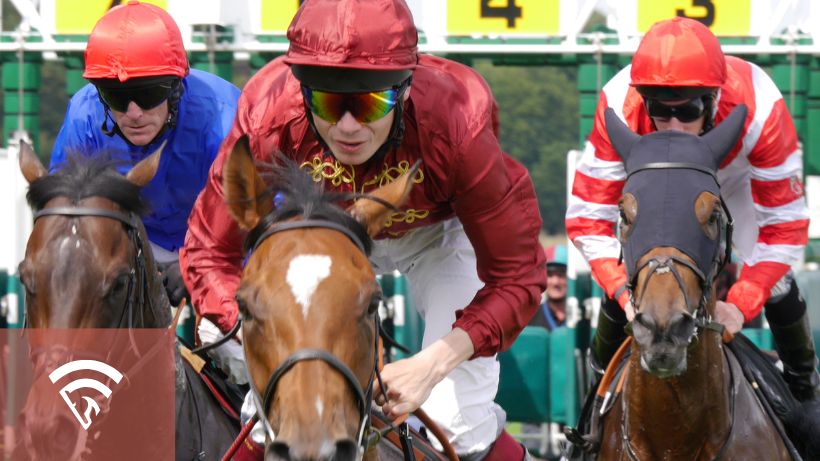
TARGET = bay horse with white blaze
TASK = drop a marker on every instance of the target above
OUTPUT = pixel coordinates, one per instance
(89, 265)
(308, 300)
(684, 396)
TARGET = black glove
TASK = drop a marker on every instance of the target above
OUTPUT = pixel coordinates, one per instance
(172, 280)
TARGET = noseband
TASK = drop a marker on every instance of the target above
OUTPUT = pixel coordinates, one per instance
(363, 399)
(132, 223)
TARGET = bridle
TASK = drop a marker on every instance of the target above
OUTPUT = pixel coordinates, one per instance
(363, 398)
(666, 263)
(702, 319)
(138, 276)
(139, 269)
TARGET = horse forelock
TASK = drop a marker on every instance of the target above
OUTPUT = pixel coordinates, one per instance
(83, 176)
(297, 195)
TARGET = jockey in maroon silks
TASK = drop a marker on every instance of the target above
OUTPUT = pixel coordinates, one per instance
(355, 105)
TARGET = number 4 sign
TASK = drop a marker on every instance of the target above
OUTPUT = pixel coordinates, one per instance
(503, 17)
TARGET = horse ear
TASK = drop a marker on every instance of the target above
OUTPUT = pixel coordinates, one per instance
(373, 213)
(243, 186)
(620, 135)
(723, 137)
(144, 171)
(30, 165)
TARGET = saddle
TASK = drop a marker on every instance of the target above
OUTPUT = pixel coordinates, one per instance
(758, 369)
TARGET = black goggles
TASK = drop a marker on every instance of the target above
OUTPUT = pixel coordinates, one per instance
(687, 112)
(147, 97)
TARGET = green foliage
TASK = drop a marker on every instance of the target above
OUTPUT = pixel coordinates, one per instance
(538, 108)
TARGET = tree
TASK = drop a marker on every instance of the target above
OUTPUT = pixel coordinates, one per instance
(538, 107)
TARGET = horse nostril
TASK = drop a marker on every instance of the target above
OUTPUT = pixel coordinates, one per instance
(277, 451)
(346, 450)
(681, 327)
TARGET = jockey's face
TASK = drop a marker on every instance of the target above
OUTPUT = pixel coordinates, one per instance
(140, 126)
(352, 142)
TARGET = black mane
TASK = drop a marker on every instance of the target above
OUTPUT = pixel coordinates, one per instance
(296, 194)
(83, 176)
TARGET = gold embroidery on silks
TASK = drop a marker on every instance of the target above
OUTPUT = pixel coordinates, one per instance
(338, 175)
(408, 216)
(346, 174)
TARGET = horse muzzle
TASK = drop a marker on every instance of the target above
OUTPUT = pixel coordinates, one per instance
(664, 350)
(341, 450)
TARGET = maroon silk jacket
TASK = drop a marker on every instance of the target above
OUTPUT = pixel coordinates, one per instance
(451, 123)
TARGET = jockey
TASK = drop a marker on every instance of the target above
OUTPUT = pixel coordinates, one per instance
(354, 103)
(680, 80)
(142, 95)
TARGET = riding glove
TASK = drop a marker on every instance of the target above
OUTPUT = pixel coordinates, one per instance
(172, 280)
(229, 357)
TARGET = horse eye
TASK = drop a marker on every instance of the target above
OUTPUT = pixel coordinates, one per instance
(120, 283)
(714, 217)
(243, 307)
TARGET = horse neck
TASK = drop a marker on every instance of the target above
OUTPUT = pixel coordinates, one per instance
(686, 414)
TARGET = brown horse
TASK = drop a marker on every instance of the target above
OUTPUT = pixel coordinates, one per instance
(309, 299)
(684, 396)
(88, 265)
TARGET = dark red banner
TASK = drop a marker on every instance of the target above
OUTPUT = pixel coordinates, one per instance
(87, 394)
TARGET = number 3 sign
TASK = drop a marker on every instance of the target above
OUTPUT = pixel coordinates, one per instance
(723, 17)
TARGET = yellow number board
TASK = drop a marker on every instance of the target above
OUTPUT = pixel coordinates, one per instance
(723, 17)
(277, 14)
(80, 16)
(503, 17)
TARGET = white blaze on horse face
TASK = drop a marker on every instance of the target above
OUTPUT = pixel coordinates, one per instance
(305, 272)
(320, 407)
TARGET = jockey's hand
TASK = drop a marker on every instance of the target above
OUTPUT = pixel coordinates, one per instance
(729, 315)
(409, 381)
(229, 357)
(172, 280)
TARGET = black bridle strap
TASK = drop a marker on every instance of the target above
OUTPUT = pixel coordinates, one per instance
(129, 220)
(313, 354)
(307, 224)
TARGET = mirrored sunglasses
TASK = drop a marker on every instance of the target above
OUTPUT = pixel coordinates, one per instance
(686, 112)
(146, 98)
(364, 107)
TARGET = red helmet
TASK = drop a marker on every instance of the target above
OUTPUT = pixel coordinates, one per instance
(354, 34)
(678, 52)
(135, 40)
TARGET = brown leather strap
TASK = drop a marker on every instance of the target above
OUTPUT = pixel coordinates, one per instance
(609, 374)
(438, 433)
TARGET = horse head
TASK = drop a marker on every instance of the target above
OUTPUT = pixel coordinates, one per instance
(308, 298)
(86, 265)
(675, 234)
